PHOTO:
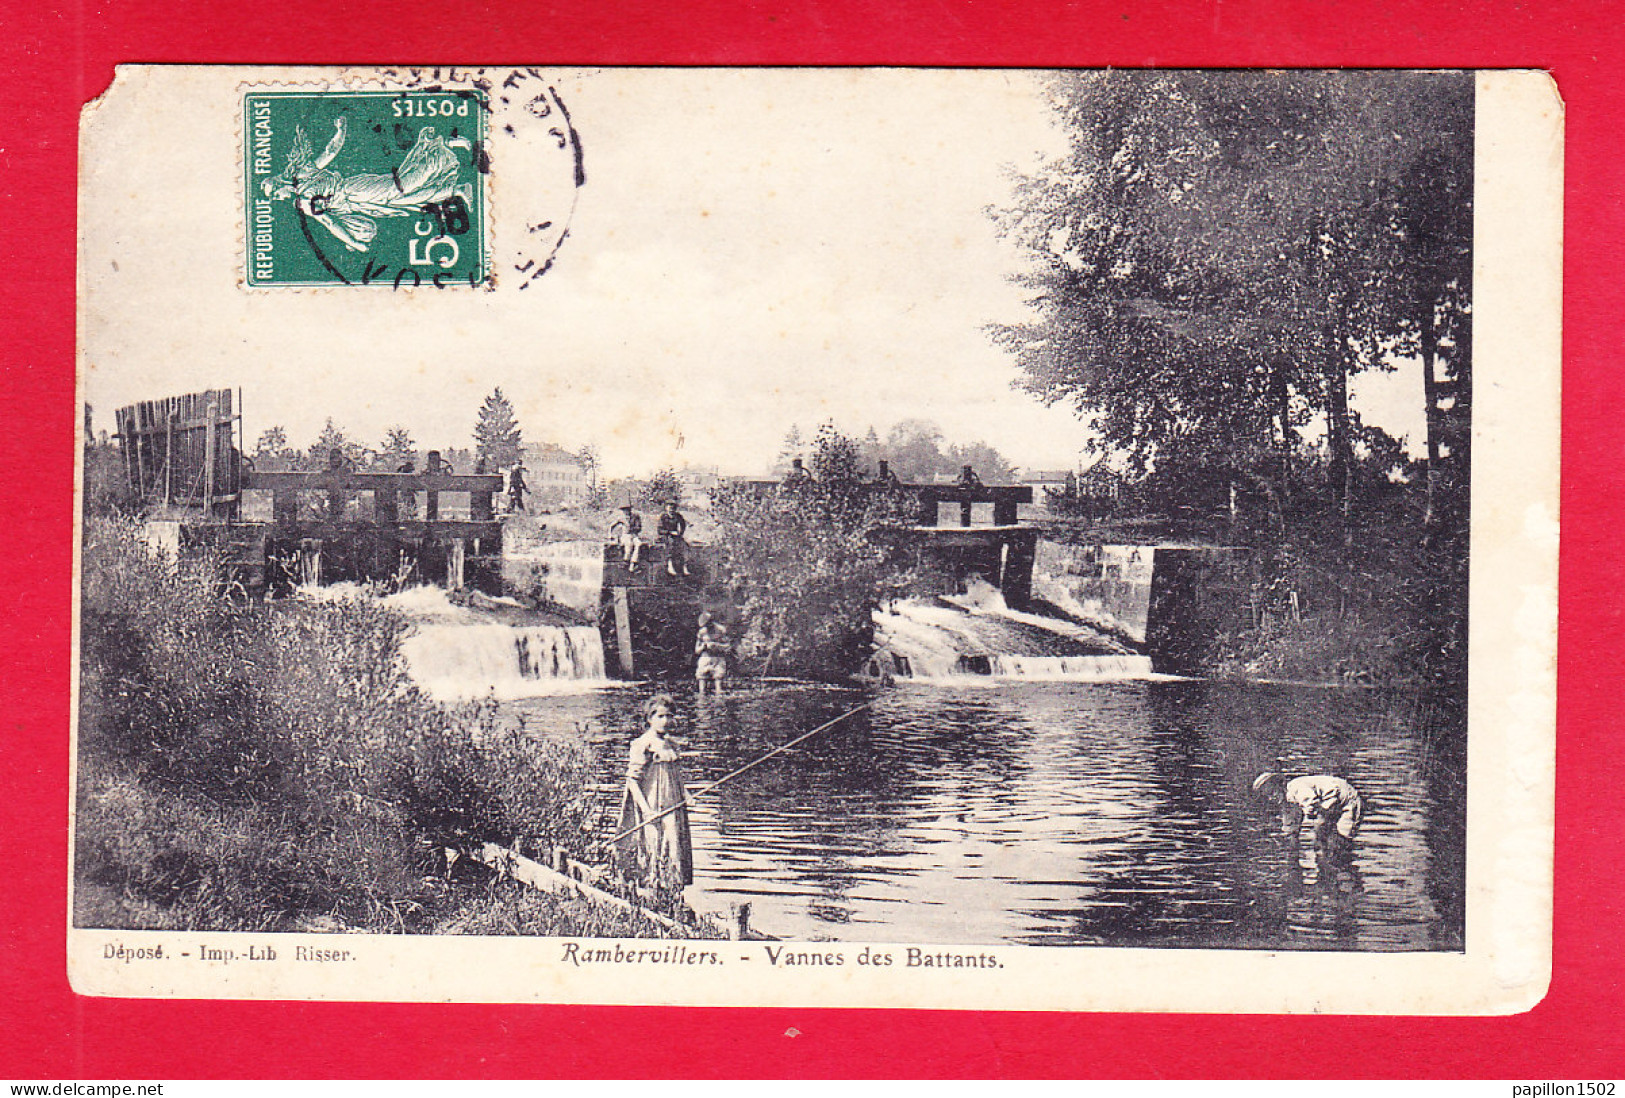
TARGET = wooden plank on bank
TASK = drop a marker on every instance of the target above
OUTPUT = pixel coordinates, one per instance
(533, 873)
(537, 875)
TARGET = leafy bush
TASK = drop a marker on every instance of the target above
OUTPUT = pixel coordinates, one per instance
(809, 561)
(251, 767)
(490, 782)
(1388, 609)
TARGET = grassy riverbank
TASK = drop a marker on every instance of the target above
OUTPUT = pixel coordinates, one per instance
(1383, 604)
(1389, 608)
(274, 768)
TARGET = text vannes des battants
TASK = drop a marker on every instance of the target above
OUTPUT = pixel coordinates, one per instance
(682, 954)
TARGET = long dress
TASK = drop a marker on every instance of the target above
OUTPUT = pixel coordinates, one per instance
(660, 850)
(427, 174)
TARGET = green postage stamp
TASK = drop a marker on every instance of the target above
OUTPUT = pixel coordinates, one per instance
(365, 188)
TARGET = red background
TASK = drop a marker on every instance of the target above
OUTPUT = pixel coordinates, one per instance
(55, 60)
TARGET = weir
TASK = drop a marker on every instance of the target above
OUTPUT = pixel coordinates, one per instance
(978, 635)
(497, 647)
(1106, 611)
(454, 662)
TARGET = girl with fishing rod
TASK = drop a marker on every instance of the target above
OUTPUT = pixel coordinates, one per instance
(653, 841)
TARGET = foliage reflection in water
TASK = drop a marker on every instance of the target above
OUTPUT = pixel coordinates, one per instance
(1087, 813)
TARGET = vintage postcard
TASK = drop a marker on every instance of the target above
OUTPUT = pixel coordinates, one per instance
(1035, 540)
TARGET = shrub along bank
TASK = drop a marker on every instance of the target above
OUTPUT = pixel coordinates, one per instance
(1387, 609)
(274, 768)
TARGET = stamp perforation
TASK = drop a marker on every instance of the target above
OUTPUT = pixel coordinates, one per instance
(526, 246)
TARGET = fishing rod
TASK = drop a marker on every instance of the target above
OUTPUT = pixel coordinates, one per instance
(689, 797)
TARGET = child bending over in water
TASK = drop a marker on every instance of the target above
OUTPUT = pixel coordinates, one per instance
(1328, 802)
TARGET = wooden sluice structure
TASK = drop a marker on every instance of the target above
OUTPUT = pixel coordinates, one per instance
(568, 877)
(182, 459)
(968, 508)
(178, 452)
(343, 525)
(976, 531)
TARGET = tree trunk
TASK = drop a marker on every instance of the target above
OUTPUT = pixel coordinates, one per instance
(1430, 394)
(1461, 442)
(1341, 466)
(1281, 395)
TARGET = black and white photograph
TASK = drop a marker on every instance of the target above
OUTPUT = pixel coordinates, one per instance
(862, 536)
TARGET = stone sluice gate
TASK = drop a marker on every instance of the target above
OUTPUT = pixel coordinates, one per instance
(647, 616)
(336, 525)
(1169, 601)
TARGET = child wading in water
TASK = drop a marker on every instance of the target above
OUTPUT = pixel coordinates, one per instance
(711, 651)
(1328, 802)
(659, 850)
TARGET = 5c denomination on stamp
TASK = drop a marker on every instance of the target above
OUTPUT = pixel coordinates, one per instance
(366, 188)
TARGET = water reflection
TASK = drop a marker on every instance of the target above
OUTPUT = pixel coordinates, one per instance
(1113, 813)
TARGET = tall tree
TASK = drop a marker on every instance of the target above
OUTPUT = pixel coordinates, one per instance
(330, 440)
(806, 564)
(1215, 255)
(914, 449)
(590, 460)
(398, 448)
(791, 448)
(870, 450)
(273, 441)
(663, 487)
(496, 433)
(989, 464)
(1432, 304)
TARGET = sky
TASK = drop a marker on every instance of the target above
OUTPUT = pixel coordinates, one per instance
(751, 249)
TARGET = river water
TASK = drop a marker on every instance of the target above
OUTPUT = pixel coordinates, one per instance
(1113, 813)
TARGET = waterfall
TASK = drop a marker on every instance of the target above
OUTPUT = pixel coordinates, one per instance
(1072, 668)
(457, 660)
(459, 651)
(976, 636)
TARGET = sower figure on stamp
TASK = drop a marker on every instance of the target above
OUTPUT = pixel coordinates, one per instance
(348, 206)
(1330, 803)
(711, 651)
(657, 849)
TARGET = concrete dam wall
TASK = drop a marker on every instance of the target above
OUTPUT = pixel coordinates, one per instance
(1169, 601)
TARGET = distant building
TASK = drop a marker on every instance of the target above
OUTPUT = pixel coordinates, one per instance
(699, 485)
(1043, 482)
(555, 477)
